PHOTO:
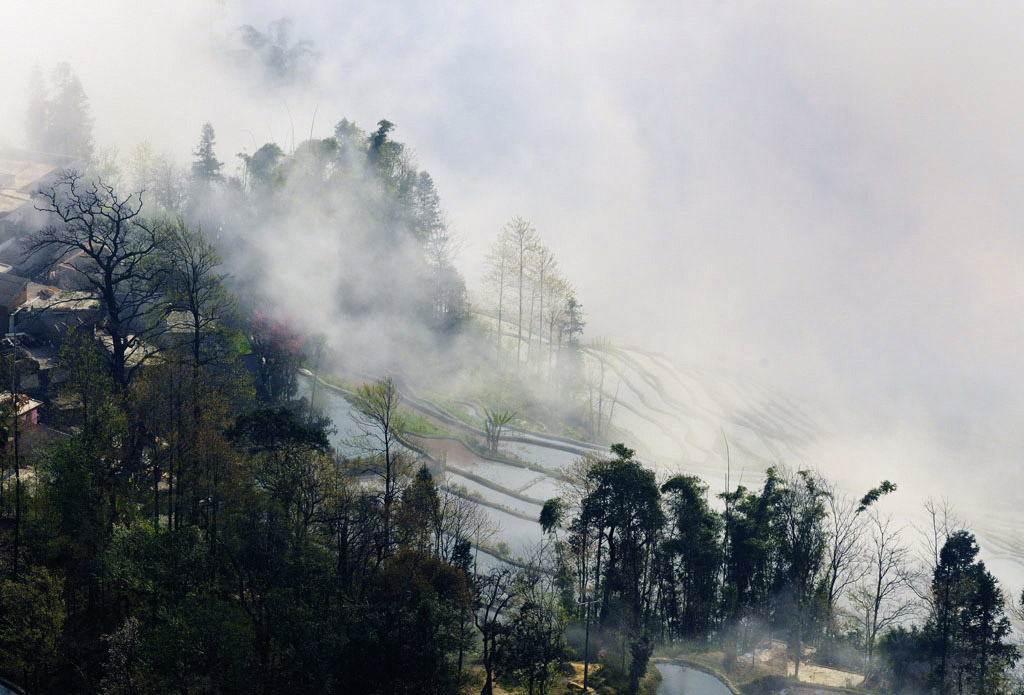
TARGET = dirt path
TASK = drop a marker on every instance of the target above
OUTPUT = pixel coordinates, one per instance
(774, 656)
(576, 680)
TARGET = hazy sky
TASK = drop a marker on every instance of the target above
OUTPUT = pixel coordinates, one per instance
(826, 195)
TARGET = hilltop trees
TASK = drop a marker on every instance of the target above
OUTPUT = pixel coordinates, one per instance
(497, 274)
(534, 306)
(510, 262)
(967, 626)
(206, 167)
(523, 240)
(570, 360)
(366, 212)
(359, 195)
(37, 115)
(59, 119)
(624, 511)
(544, 264)
(803, 553)
(523, 278)
(692, 553)
(273, 53)
(431, 229)
(383, 154)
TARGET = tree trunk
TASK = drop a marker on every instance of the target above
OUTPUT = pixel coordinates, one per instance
(519, 323)
(488, 688)
(15, 387)
(501, 302)
(551, 340)
(156, 492)
(529, 343)
(540, 323)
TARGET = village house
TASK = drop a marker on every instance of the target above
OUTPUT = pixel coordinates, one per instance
(28, 408)
(13, 293)
(21, 174)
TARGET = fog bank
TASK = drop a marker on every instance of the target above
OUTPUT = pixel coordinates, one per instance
(826, 198)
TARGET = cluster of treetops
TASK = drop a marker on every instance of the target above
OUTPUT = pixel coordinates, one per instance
(367, 188)
(192, 529)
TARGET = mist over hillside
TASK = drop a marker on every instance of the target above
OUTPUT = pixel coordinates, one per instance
(791, 210)
(769, 246)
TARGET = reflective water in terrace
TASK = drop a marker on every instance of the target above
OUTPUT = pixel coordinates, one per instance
(492, 495)
(519, 534)
(512, 477)
(483, 562)
(334, 406)
(541, 455)
(543, 489)
(680, 680)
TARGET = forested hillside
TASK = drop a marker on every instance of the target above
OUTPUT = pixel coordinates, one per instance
(181, 511)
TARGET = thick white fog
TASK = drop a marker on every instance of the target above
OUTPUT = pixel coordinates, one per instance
(826, 199)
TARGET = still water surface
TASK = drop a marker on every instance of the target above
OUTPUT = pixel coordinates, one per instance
(680, 680)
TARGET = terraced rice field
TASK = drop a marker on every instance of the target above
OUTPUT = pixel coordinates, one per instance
(539, 454)
(685, 418)
(505, 475)
(683, 414)
(491, 495)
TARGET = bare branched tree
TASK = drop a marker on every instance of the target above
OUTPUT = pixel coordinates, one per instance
(544, 266)
(524, 243)
(494, 591)
(941, 522)
(844, 554)
(196, 294)
(459, 520)
(509, 264)
(558, 293)
(884, 599)
(103, 237)
(498, 270)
